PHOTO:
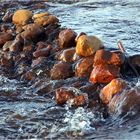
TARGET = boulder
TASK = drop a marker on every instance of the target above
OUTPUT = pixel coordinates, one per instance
(67, 55)
(62, 95)
(4, 37)
(84, 67)
(104, 73)
(46, 20)
(32, 31)
(106, 57)
(114, 87)
(88, 45)
(67, 38)
(22, 17)
(7, 17)
(61, 70)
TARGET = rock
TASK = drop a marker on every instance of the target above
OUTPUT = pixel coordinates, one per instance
(67, 55)
(6, 62)
(28, 76)
(32, 31)
(39, 15)
(22, 17)
(84, 67)
(67, 38)
(43, 52)
(7, 17)
(4, 37)
(37, 61)
(104, 73)
(46, 20)
(87, 45)
(106, 57)
(41, 45)
(114, 87)
(62, 95)
(61, 70)
(80, 100)
(7, 45)
(19, 29)
(125, 104)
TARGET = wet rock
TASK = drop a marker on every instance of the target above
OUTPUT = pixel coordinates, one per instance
(4, 37)
(6, 62)
(125, 104)
(80, 100)
(7, 17)
(46, 20)
(84, 67)
(37, 61)
(22, 17)
(114, 87)
(106, 57)
(61, 70)
(104, 73)
(62, 95)
(88, 45)
(43, 52)
(41, 45)
(67, 55)
(67, 38)
(32, 32)
(28, 76)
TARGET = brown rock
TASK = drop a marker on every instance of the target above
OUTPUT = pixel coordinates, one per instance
(114, 87)
(61, 70)
(67, 55)
(106, 57)
(7, 45)
(46, 20)
(32, 31)
(84, 67)
(80, 100)
(41, 45)
(29, 75)
(87, 45)
(37, 61)
(22, 17)
(4, 37)
(43, 52)
(62, 95)
(104, 73)
(67, 38)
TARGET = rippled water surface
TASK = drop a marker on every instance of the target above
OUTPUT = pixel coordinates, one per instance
(26, 114)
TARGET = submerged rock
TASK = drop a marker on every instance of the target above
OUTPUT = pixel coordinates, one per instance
(87, 45)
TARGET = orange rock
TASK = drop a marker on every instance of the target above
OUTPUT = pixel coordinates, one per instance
(62, 95)
(67, 38)
(22, 17)
(87, 45)
(84, 67)
(106, 57)
(114, 87)
(104, 73)
(40, 15)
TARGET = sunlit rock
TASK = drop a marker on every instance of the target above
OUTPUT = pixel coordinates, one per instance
(104, 73)
(114, 87)
(22, 17)
(88, 45)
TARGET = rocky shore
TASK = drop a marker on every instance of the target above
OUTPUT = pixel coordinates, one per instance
(35, 48)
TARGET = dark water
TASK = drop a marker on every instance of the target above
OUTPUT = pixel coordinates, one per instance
(26, 114)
